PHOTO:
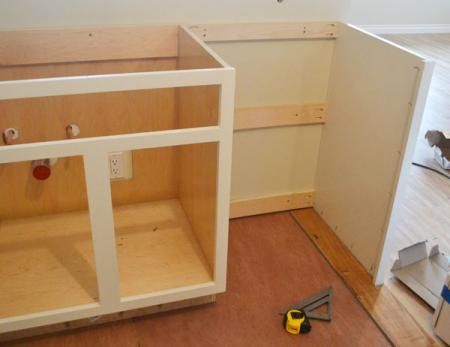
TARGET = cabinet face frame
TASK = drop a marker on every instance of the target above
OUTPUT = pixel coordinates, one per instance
(95, 152)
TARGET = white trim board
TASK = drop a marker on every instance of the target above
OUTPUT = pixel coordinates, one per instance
(407, 28)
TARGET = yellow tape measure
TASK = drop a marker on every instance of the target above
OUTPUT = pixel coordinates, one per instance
(296, 322)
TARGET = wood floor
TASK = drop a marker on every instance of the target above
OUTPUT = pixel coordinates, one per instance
(272, 265)
(425, 214)
(392, 306)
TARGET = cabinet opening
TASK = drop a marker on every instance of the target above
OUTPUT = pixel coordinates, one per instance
(46, 250)
(165, 219)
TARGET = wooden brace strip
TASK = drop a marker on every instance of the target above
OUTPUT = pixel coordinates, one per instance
(87, 44)
(264, 31)
(270, 204)
(276, 116)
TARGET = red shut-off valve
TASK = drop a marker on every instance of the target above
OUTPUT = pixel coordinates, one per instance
(41, 169)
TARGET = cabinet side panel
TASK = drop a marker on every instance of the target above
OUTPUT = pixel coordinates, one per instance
(197, 184)
(371, 93)
(197, 106)
(197, 164)
(192, 54)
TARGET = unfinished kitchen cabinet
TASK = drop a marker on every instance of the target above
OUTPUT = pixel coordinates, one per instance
(326, 117)
(116, 188)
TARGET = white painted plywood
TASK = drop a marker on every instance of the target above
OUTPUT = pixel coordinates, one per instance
(281, 160)
(278, 72)
(372, 95)
(274, 161)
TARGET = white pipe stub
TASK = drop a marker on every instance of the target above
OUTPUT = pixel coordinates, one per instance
(72, 130)
(10, 135)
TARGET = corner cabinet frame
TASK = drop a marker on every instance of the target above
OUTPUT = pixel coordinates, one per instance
(339, 110)
(95, 151)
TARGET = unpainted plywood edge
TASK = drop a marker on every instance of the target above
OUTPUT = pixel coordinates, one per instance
(269, 204)
(113, 317)
(280, 115)
(264, 31)
(388, 313)
(195, 46)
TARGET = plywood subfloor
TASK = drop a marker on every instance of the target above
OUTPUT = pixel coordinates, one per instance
(272, 264)
(48, 262)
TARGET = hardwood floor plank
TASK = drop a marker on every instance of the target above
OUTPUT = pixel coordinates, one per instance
(385, 309)
(425, 212)
(417, 308)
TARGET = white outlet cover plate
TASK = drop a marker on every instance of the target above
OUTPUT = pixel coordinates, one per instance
(125, 166)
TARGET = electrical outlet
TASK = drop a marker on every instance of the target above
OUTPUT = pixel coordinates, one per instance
(120, 165)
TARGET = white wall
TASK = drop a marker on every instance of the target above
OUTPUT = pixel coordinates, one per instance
(50, 13)
(399, 12)
(45, 13)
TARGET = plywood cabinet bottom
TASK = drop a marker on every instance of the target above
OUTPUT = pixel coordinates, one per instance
(48, 262)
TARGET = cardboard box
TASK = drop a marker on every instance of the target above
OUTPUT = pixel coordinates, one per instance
(422, 271)
(440, 140)
(442, 314)
(441, 158)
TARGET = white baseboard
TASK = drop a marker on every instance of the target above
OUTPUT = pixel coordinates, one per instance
(407, 28)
